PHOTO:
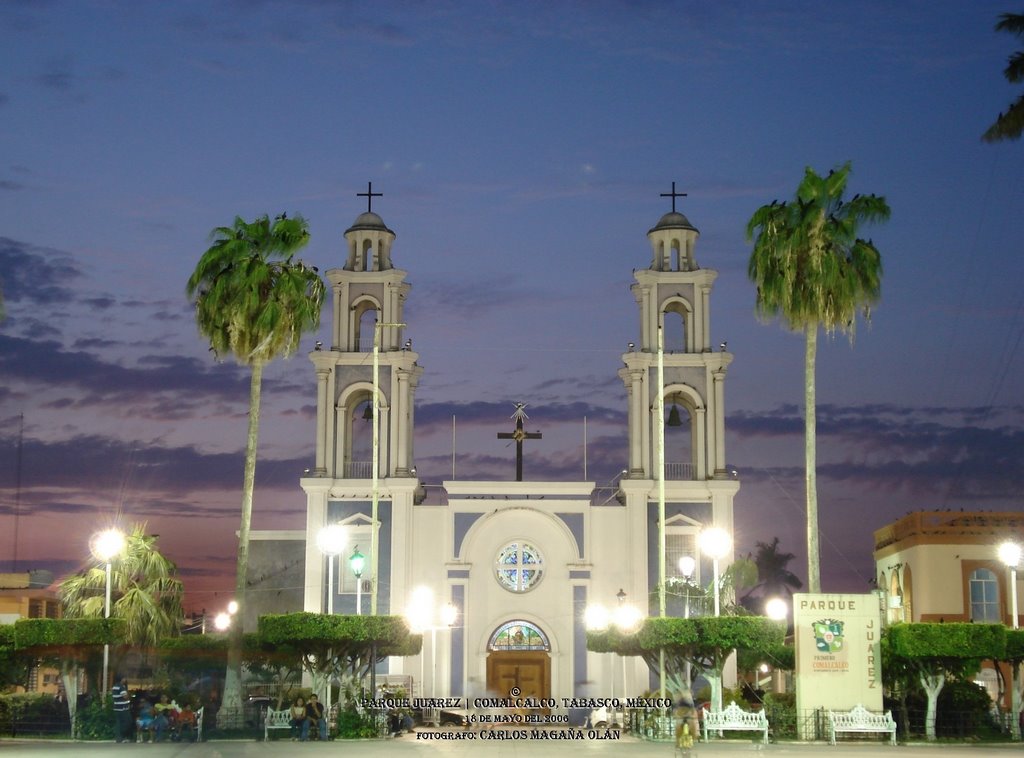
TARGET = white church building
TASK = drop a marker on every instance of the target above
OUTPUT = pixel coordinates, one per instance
(518, 560)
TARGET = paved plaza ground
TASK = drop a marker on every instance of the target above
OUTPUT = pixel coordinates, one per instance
(410, 747)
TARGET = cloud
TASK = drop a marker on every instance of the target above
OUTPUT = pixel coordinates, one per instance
(933, 454)
(7, 184)
(58, 74)
(37, 275)
(67, 475)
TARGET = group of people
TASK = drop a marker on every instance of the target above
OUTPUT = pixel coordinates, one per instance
(159, 720)
(306, 715)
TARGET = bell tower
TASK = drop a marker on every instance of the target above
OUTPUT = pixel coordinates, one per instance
(367, 311)
(674, 296)
(368, 299)
(674, 299)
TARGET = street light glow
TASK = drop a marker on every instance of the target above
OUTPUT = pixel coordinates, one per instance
(233, 607)
(776, 608)
(332, 539)
(596, 618)
(715, 542)
(687, 565)
(627, 616)
(222, 621)
(1009, 554)
(108, 544)
(449, 613)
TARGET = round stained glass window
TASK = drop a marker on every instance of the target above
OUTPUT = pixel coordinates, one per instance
(519, 567)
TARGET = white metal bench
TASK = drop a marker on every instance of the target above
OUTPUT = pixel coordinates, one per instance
(860, 719)
(734, 718)
(276, 720)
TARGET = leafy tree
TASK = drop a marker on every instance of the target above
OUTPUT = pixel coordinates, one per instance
(67, 643)
(253, 301)
(1015, 656)
(774, 578)
(144, 590)
(1010, 125)
(706, 642)
(937, 652)
(348, 647)
(812, 270)
(15, 666)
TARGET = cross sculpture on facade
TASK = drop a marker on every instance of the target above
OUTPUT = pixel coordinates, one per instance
(519, 435)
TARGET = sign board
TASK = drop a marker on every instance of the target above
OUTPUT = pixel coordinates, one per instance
(838, 659)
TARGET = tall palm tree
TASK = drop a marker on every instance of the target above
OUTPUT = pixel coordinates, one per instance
(144, 588)
(1010, 125)
(774, 577)
(253, 301)
(812, 270)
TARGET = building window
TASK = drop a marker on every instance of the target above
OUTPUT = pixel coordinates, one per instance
(518, 635)
(519, 566)
(681, 542)
(984, 589)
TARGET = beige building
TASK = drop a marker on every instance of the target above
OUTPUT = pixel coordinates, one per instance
(30, 595)
(944, 566)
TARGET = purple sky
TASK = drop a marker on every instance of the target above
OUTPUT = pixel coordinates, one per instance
(521, 148)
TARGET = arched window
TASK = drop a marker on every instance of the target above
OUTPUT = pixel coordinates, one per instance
(984, 589)
(519, 566)
(518, 635)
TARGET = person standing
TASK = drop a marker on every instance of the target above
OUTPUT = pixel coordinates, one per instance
(122, 710)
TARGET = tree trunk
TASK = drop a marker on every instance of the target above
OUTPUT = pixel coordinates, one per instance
(810, 460)
(932, 684)
(1016, 687)
(230, 713)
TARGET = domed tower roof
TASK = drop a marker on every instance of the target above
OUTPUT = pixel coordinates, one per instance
(369, 239)
(672, 239)
(368, 221)
(673, 220)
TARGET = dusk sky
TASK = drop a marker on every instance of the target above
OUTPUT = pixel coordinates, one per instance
(521, 149)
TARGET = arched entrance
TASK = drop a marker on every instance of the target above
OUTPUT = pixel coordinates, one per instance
(519, 655)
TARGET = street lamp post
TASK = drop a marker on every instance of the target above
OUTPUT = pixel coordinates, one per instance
(330, 540)
(687, 565)
(448, 615)
(376, 456)
(357, 561)
(106, 546)
(626, 618)
(1009, 554)
(715, 543)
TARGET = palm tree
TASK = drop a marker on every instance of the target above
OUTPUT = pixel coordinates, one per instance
(1010, 125)
(144, 587)
(254, 302)
(774, 578)
(812, 271)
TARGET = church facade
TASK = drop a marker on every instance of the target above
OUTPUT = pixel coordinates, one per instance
(517, 561)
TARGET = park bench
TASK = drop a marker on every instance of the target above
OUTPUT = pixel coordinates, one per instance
(734, 718)
(276, 720)
(861, 720)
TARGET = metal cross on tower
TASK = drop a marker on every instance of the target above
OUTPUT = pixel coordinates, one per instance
(370, 194)
(673, 194)
(519, 435)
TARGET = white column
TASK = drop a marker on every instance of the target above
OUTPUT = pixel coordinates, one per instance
(700, 443)
(342, 442)
(719, 409)
(705, 317)
(401, 411)
(321, 420)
